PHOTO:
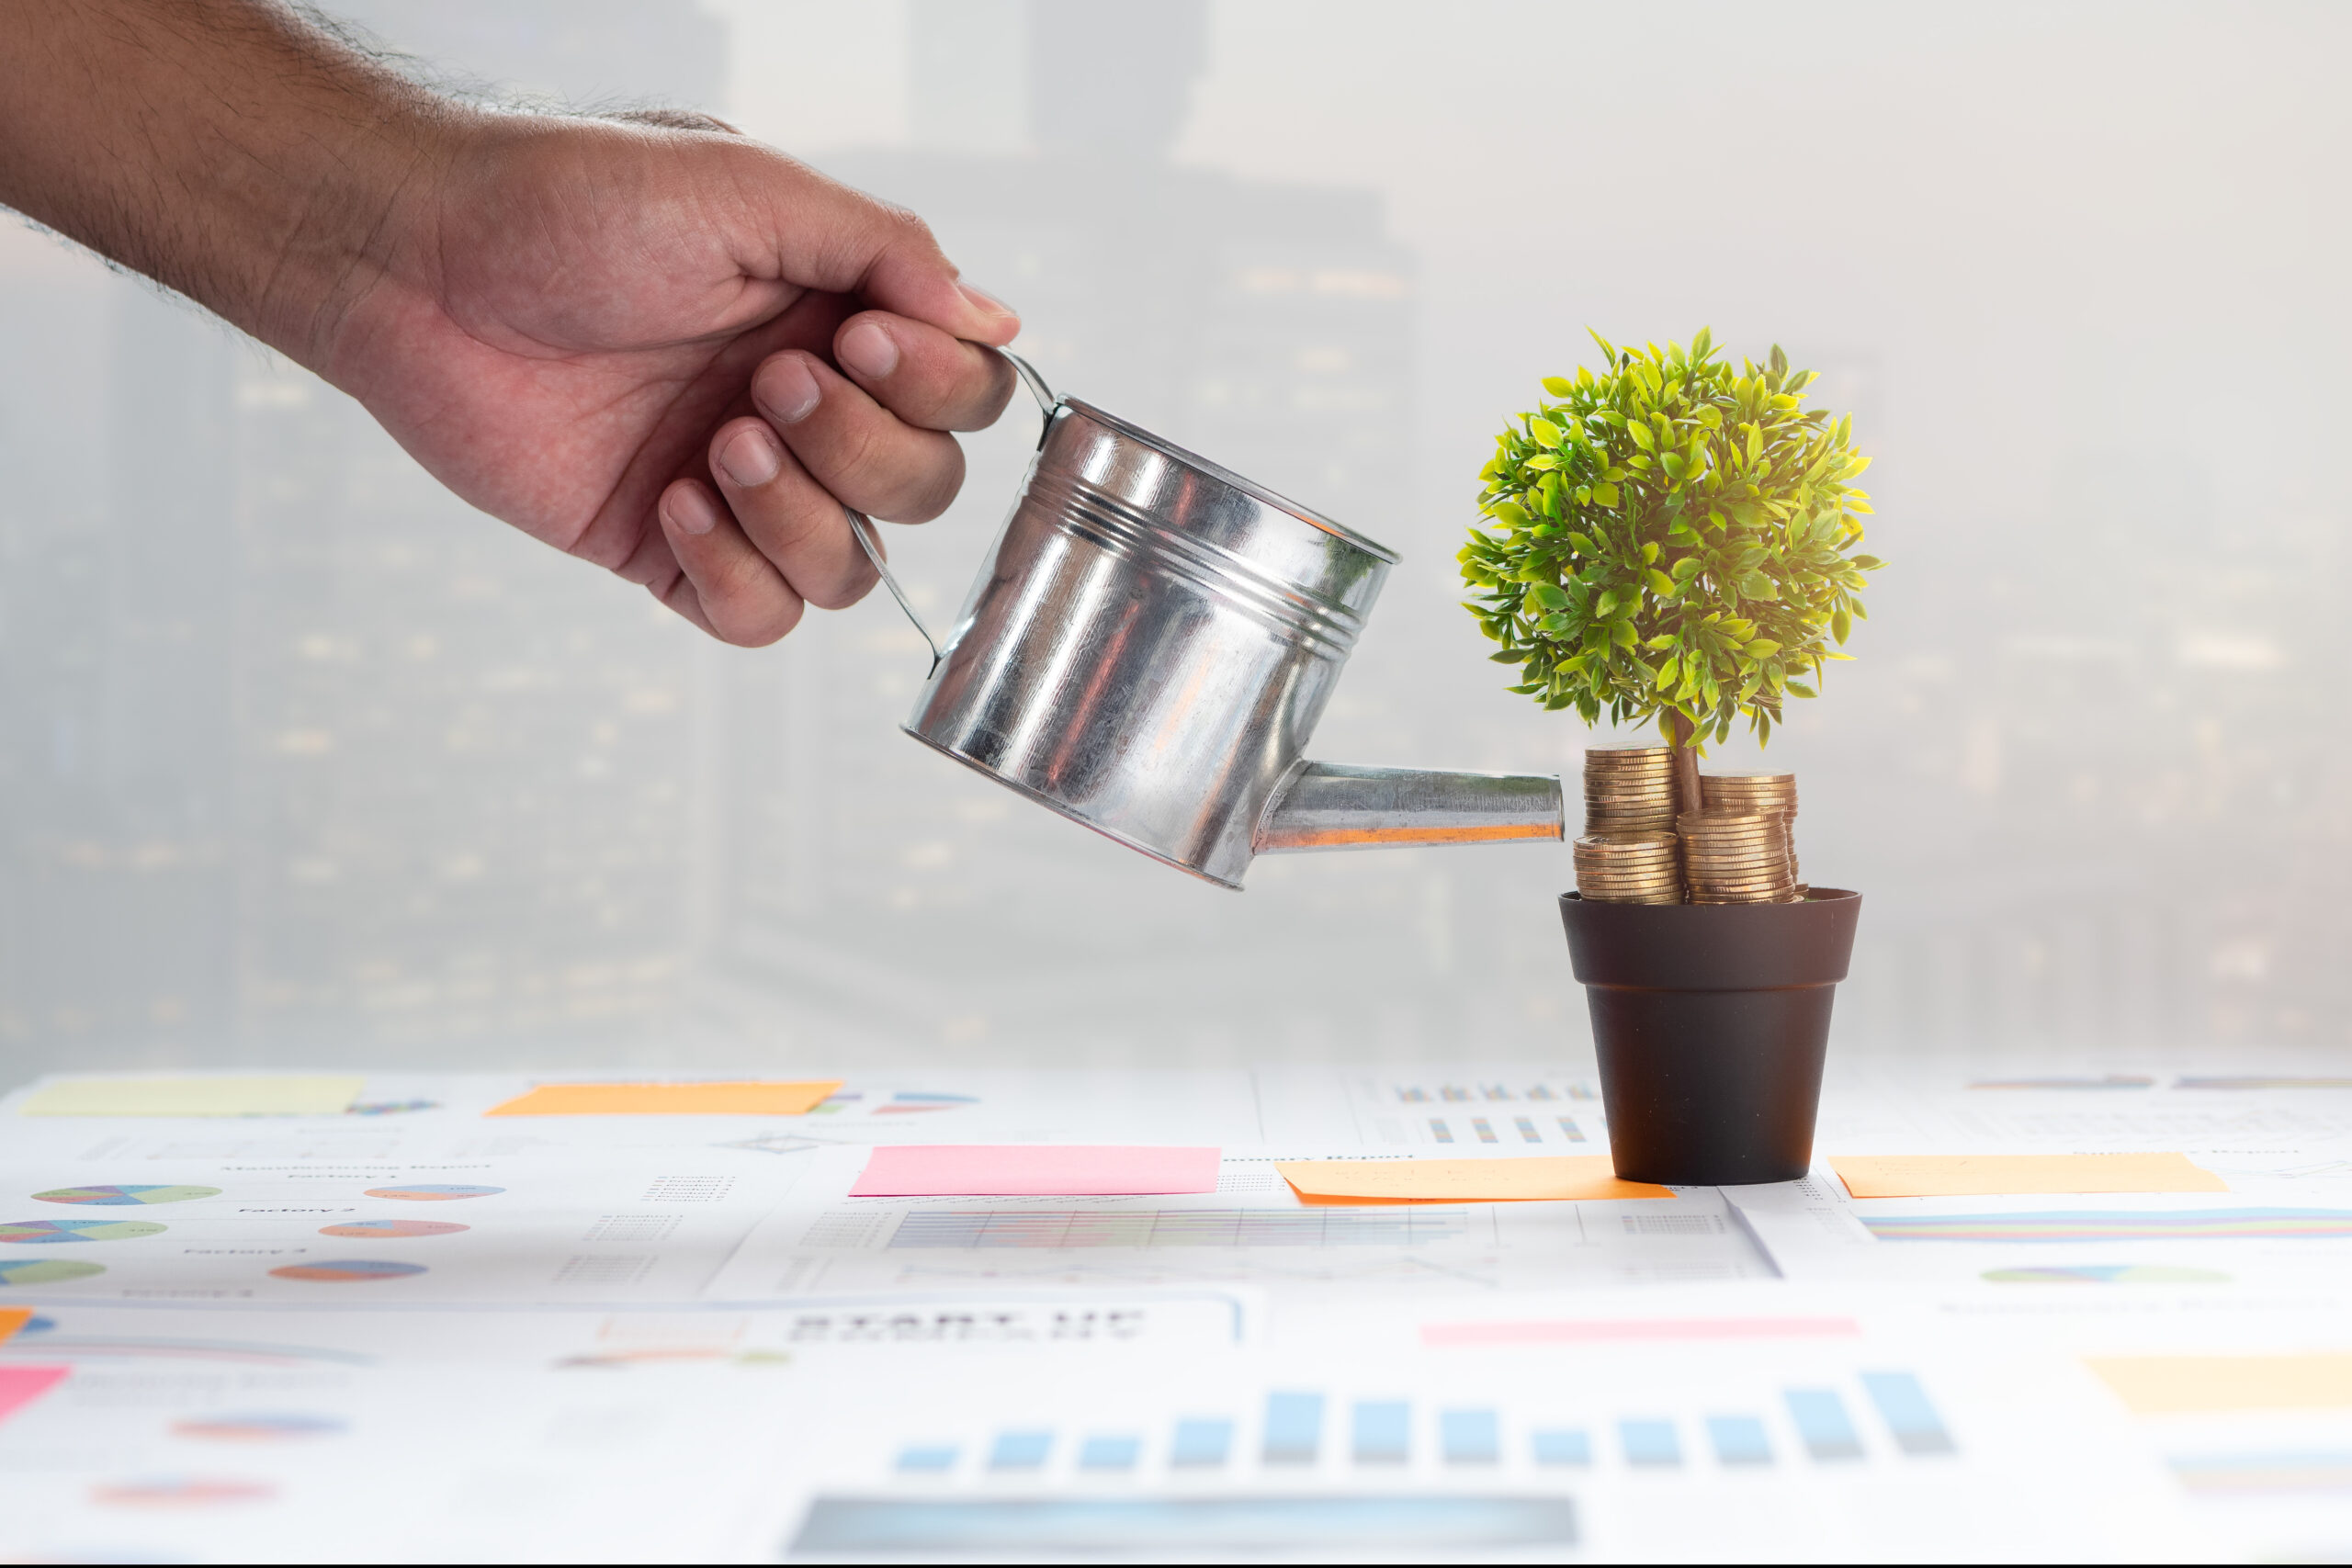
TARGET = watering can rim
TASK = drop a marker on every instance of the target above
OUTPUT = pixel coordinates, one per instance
(1224, 474)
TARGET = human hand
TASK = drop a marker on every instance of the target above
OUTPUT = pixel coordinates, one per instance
(677, 354)
(647, 341)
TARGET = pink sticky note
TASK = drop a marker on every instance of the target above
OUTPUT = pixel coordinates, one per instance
(1032, 1170)
(21, 1385)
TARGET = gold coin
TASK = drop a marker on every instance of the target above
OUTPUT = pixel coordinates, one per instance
(1734, 842)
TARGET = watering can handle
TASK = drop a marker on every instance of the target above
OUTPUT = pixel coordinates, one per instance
(860, 526)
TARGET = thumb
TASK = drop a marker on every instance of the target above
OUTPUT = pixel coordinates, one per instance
(819, 233)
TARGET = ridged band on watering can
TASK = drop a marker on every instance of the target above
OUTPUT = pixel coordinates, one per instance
(1149, 646)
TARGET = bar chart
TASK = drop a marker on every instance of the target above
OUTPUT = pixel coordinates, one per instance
(1884, 1418)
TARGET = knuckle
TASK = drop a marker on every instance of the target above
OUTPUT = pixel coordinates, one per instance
(906, 221)
(847, 590)
(936, 490)
(746, 605)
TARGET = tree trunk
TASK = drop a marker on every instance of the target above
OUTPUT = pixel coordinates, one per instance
(1678, 735)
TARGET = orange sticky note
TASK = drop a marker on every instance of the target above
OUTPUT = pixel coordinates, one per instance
(748, 1098)
(11, 1320)
(2159, 1385)
(1542, 1177)
(1988, 1176)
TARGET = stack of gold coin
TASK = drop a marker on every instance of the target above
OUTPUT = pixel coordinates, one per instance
(1756, 791)
(1630, 868)
(1738, 857)
(1629, 791)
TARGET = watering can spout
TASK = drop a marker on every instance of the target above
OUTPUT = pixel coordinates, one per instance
(1341, 805)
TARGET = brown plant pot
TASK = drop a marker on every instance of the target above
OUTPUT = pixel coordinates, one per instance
(1711, 1022)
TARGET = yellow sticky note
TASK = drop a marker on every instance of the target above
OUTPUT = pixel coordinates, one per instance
(2159, 1385)
(748, 1098)
(1555, 1177)
(1986, 1176)
(222, 1096)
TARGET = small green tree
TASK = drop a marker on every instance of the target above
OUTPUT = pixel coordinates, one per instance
(1670, 541)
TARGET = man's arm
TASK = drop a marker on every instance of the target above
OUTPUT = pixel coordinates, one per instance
(225, 150)
(673, 352)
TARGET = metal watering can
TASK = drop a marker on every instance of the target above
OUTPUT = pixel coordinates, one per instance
(1148, 648)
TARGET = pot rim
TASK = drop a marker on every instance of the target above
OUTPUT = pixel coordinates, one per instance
(1813, 896)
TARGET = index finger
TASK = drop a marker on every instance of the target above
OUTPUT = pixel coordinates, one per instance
(920, 374)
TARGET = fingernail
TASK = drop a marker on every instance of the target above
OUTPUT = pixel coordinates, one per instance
(688, 510)
(787, 389)
(750, 459)
(868, 350)
(988, 303)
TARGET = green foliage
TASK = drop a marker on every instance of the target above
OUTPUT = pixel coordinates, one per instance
(1671, 536)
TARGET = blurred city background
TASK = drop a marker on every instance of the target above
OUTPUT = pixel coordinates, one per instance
(303, 762)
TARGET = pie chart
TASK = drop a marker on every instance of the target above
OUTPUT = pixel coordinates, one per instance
(346, 1271)
(256, 1428)
(47, 1271)
(377, 1228)
(113, 1197)
(42, 1233)
(431, 1192)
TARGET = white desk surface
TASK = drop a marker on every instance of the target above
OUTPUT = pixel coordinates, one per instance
(678, 1338)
